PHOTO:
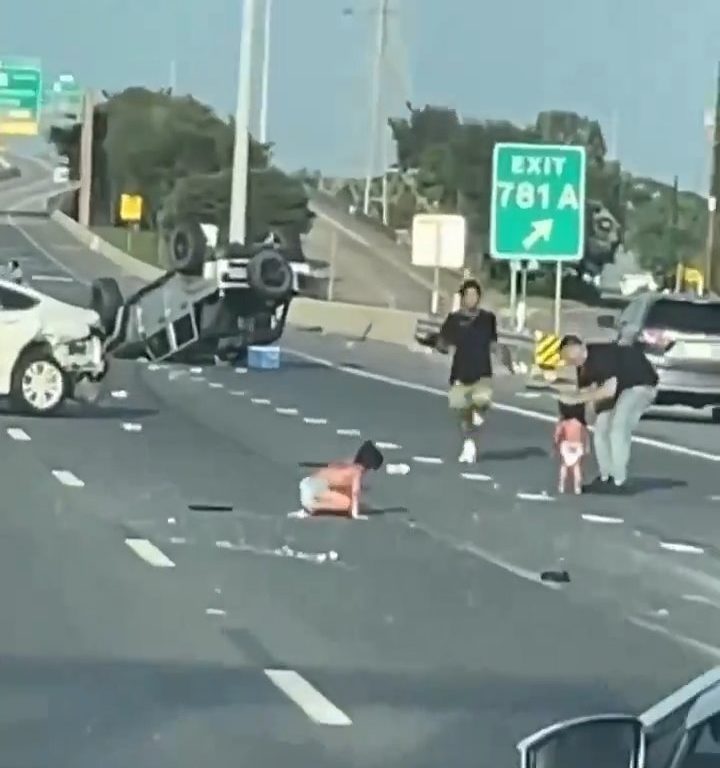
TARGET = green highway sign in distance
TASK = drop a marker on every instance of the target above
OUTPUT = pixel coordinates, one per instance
(538, 202)
(20, 96)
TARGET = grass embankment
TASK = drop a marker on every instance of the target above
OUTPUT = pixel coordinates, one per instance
(143, 245)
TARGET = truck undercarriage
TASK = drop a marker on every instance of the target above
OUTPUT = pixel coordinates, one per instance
(217, 302)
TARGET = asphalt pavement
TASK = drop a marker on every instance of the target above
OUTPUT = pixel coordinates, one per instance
(162, 609)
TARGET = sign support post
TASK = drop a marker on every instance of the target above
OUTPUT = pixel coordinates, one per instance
(538, 208)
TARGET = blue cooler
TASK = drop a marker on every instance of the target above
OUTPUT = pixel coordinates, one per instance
(263, 358)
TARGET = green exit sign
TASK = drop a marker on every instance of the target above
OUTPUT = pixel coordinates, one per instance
(538, 202)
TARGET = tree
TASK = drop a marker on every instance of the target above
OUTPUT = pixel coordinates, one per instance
(451, 161)
(177, 153)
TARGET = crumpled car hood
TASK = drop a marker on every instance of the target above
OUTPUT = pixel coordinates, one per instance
(62, 322)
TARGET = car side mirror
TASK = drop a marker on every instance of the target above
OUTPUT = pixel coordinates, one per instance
(607, 321)
(607, 740)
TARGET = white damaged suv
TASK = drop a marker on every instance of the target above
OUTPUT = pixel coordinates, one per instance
(49, 350)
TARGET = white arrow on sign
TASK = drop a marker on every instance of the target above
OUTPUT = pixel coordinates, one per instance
(541, 230)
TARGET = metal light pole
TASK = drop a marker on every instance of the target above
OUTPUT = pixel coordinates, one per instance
(265, 73)
(239, 193)
(380, 42)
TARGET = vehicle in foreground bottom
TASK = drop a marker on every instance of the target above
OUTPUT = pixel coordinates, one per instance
(681, 731)
(49, 350)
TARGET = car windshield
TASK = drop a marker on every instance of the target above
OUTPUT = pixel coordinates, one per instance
(685, 317)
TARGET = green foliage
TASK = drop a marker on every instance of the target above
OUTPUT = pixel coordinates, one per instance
(448, 166)
(177, 153)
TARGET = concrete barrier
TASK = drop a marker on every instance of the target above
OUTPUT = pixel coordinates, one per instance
(360, 321)
(95, 243)
(357, 320)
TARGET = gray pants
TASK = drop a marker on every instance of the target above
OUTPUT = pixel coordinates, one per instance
(614, 428)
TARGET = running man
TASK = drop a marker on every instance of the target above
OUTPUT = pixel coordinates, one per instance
(621, 384)
(472, 334)
(335, 489)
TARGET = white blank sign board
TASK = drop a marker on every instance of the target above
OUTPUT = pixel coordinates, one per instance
(438, 240)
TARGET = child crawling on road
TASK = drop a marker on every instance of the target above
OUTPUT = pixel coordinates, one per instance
(572, 443)
(335, 489)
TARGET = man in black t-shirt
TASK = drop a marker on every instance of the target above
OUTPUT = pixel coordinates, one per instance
(472, 333)
(621, 384)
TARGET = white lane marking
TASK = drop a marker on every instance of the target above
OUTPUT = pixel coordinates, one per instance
(698, 645)
(241, 370)
(489, 557)
(197, 378)
(44, 251)
(602, 519)
(348, 432)
(528, 395)
(397, 469)
(427, 459)
(318, 708)
(650, 442)
(18, 434)
(534, 496)
(476, 476)
(698, 599)
(287, 411)
(178, 540)
(237, 393)
(130, 426)
(260, 400)
(215, 612)
(687, 549)
(153, 367)
(119, 394)
(148, 552)
(388, 446)
(68, 478)
(52, 278)
(312, 420)
(215, 385)
(196, 369)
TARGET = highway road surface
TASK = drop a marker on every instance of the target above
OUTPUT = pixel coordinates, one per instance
(162, 610)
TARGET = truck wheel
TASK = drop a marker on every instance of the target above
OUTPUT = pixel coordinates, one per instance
(270, 275)
(38, 383)
(187, 248)
(106, 300)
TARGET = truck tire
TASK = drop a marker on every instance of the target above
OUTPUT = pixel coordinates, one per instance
(187, 248)
(106, 299)
(38, 385)
(270, 275)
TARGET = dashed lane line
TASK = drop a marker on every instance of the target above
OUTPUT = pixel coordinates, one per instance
(316, 706)
(287, 411)
(18, 434)
(427, 459)
(148, 552)
(68, 478)
(663, 445)
(313, 420)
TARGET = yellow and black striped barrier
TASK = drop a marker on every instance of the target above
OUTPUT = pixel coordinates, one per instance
(547, 351)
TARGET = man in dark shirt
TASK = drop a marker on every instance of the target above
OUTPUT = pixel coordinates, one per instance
(472, 333)
(621, 384)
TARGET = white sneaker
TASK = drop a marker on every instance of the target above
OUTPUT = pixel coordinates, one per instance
(469, 452)
(477, 419)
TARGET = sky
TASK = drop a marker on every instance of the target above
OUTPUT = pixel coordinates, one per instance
(645, 68)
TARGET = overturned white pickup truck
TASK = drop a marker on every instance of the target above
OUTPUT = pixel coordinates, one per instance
(217, 301)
